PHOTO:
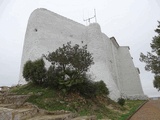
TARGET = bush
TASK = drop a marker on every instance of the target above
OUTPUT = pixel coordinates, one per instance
(121, 101)
(51, 77)
(101, 88)
(34, 71)
(89, 88)
(86, 89)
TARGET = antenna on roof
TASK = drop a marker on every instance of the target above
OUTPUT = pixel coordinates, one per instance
(89, 19)
(95, 15)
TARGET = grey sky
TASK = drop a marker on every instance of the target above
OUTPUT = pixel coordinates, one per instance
(131, 22)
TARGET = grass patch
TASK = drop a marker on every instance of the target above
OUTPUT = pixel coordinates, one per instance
(131, 106)
(102, 107)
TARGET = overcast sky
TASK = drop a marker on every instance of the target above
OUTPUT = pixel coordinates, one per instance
(131, 22)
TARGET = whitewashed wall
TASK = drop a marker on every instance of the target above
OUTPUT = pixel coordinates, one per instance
(47, 31)
(129, 75)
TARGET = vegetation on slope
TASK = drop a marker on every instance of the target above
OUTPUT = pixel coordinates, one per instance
(101, 106)
(65, 85)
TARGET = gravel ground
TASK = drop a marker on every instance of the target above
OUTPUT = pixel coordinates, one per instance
(150, 111)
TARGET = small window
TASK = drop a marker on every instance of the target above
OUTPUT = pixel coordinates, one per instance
(35, 30)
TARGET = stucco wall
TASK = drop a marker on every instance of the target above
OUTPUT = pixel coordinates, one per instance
(129, 76)
(101, 69)
(47, 31)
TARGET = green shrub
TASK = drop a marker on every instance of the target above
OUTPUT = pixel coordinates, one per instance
(86, 89)
(89, 88)
(101, 88)
(34, 71)
(121, 101)
(51, 77)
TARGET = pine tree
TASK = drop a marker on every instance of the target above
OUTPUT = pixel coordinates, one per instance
(152, 59)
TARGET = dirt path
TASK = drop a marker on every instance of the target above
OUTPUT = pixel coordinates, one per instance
(150, 111)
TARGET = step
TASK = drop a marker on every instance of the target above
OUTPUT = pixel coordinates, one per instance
(15, 99)
(12, 106)
(17, 114)
(24, 113)
(53, 117)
